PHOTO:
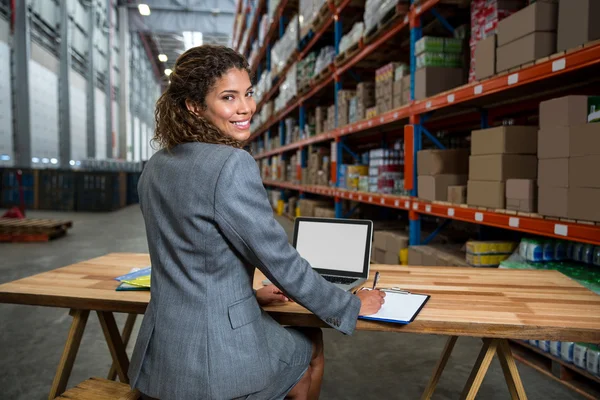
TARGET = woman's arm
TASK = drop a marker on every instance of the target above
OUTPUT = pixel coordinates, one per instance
(244, 214)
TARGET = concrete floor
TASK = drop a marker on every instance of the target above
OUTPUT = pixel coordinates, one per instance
(367, 365)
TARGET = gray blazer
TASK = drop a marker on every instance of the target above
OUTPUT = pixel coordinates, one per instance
(209, 223)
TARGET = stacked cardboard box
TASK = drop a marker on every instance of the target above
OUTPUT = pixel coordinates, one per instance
(318, 167)
(384, 83)
(485, 16)
(344, 97)
(365, 95)
(291, 209)
(307, 207)
(521, 195)
(440, 169)
(437, 255)
(387, 246)
(430, 81)
(527, 35)
(439, 65)
(577, 23)
(569, 159)
(330, 122)
(324, 212)
(498, 154)
(320, 119)
(401, 86)
(457, 194)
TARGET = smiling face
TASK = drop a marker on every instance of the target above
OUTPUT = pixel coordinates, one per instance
(230, 105)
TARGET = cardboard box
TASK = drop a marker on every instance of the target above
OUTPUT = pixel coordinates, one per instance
(430, 81)
(525, 50)
(391, 258)
(577, 23)
(505, 140)
(378, 256)
(553, 172)
(583, 204)
(564, 111)
(486, 194)
(542, 16)
(553, 201)
(485, 54)
(435, 162)
(457, 194)
(554, 142)
(415, 257)
(584, 172)
(501, 167)
(435, 188)
(398, 89)
(324, 212)
(584, 140)
(521, 195)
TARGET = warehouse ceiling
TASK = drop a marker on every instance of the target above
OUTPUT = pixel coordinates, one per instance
(173, 26)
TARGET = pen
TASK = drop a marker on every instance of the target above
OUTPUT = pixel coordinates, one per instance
(375, 280)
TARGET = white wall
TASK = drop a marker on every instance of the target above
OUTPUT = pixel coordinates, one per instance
(43, 103)
(6, 122)
(78, 108)
(100, 124)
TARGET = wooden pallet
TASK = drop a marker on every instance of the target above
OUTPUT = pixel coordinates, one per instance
(32, 230)
(350, 52)
(322, 75)
(392, 17)
(568, 374)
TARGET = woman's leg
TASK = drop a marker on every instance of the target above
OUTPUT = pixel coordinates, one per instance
(309, 386)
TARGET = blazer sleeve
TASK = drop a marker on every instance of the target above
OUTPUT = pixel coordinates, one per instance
(245, 216)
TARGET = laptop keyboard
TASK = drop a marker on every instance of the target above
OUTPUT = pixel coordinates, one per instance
(339, 279)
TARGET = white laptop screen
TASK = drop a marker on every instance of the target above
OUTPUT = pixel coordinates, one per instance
(333, 246)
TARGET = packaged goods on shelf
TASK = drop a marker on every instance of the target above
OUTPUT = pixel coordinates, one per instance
(263, 86)
(344, 97)
(479, 247)
(447, 60)
(429, 44)
(353, 174)
(308, 10)
(263, 28)
(324, 59)
(485, 260)
(371, 112)
(352, 37)
(365, 98)
(375, 10)
(353, 109)
(306, 70)
(287, 90)
(577, 23)
(272, 7)
(386, 171)
(284, 47)
(291, 206)
(320, 119)
(384, 86)
(401, 71)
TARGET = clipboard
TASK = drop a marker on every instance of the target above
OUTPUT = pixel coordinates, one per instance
(400, 307)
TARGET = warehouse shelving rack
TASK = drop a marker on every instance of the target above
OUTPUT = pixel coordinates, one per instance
(475, 104)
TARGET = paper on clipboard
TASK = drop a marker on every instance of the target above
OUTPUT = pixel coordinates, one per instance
(400, 308)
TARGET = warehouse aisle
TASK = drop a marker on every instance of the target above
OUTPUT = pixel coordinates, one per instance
(368, 365)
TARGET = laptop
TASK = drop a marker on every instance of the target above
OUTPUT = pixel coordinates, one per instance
(338, 249)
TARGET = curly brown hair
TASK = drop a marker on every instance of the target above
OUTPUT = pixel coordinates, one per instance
(194, 75)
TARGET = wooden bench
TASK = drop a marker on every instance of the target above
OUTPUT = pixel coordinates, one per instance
(101, 389)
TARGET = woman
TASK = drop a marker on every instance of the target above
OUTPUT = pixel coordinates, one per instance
(209, 224)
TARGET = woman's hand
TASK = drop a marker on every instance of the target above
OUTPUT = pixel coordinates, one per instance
(270, 294)
(370, 301)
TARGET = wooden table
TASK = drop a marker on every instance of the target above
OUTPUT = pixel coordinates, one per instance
(488, 303)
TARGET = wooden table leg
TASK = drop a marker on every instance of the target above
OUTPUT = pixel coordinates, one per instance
(65, 366)
(115, 344)
(439, 368)
(125, 336)
(511, 373)
(480, 368)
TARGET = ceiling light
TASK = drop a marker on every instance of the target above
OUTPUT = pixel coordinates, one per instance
(144, 9)
(45, 160)
(192, 39)
(162, 58)
(168, 71)
(72, 163)
(54, 161)
(35, 160)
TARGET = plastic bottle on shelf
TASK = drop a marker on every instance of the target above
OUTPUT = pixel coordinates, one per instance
(548, 251)
(596, 260)
(579, 355)
(566, 351)
(560, 250)
(577, 252)
(587, 254)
